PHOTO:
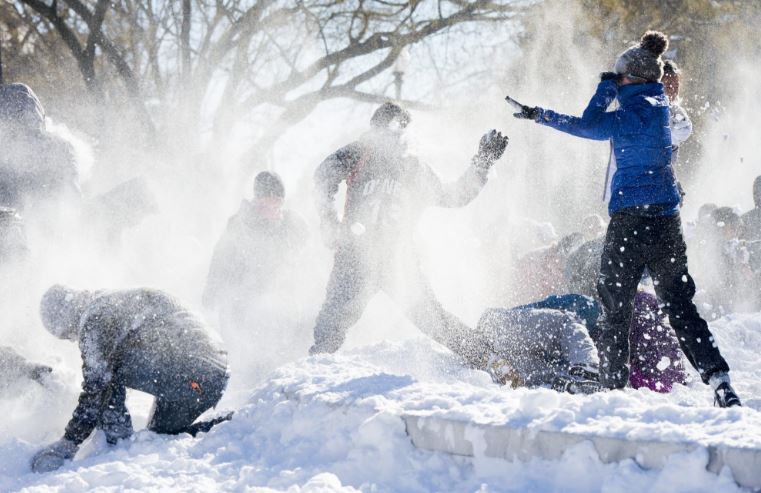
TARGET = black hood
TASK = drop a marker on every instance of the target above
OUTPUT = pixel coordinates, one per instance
(20, 107)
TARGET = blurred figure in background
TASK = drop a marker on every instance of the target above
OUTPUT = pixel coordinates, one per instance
(35, 166)
(387, 191)
(541, 272)
(736, 284)
(750, 228)
(141, 339)
(583, 264)
(252, 278)
(679, 121)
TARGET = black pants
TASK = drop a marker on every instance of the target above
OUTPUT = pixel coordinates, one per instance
(632, 244)
(357, 277)
(184, 387)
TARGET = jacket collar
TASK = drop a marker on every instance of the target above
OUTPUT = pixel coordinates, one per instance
(630, 91)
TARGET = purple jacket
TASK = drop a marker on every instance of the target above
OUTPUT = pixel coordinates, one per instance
(656, 360)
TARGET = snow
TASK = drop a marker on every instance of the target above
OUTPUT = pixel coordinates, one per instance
(333, 423)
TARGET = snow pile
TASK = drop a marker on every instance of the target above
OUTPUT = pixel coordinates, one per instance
(334, 424)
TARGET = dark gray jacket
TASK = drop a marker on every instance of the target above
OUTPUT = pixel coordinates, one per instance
(142, 339)
(387, 189)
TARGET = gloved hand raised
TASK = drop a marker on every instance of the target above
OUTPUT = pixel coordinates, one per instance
(490, 149)
(524, 112)
(610, 76)
(54, 455)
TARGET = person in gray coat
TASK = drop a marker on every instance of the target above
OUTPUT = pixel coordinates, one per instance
(387, 191)
(142, 339)
(533, 347)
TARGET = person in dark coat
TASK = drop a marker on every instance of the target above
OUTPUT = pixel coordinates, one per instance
(387, 192)
(751, 220)
(257, 242)
(645, 231)
(35, 166)
(142, 339)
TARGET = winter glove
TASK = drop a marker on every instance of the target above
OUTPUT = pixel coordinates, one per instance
(524, 112)
(490, 149)
(116, 424)
(54, 455)
(610, 76)
(527, 113)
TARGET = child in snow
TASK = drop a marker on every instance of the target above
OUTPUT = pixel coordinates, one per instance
(142, 339)
(645, 229)
(537, 347)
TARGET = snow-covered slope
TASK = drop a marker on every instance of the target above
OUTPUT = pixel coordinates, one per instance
(334, 424)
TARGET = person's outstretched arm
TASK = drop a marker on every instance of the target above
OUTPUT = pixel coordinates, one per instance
(596, 122)
(470, 183)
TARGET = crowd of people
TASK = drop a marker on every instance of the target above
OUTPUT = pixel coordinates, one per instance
(604, 308)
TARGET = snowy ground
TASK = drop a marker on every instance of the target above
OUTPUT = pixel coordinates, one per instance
(333, 424)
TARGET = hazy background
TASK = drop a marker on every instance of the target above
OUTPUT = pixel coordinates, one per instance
(196, 97)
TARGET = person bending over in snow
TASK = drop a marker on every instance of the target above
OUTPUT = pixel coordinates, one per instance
(537, 347)
(387, 191)
(141, 339)
(645, 229)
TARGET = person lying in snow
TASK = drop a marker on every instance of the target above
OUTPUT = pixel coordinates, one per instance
(387, 191)
(655, 360)
(645, 230)
(141, 339)
(15, 368)
(538, 347)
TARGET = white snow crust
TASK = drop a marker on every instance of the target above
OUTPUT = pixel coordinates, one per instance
(333, 423)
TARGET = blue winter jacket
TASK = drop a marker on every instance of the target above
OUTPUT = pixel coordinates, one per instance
(639, 131)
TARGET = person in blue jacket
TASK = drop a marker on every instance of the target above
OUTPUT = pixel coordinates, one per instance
(645, 230)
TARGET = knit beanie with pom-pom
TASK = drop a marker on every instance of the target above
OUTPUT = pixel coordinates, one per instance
(643, 61)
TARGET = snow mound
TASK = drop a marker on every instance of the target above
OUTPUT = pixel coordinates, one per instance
(335, 423)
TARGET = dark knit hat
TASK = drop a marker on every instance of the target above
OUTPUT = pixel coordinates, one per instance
(267, 184)
(643, 61)
(19, 105)
(388, 112)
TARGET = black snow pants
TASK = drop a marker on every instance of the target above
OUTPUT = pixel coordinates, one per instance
(634, 243)
(184, 386)
(357, 277)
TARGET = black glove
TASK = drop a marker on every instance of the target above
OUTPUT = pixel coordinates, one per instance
(524, 112)
(54, 455)
(491, 148)
(610, 76)
(527, 113)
